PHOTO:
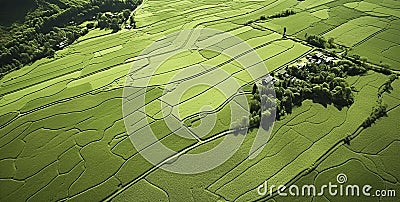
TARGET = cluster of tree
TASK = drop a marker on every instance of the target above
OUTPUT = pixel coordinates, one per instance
(380, 110)
(93, 9)
(383, 68)
(241, 126)
(262, 106)
(114, 21)
(323, 83)
(51, 26)
(377, 112)
(350, 68)
(387, 86)
(14, 10)
(320, 41)
(283, 14)
(248, 22)
(279, 15)
(29, 45)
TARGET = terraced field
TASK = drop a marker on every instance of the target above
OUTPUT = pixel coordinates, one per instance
(63, 134)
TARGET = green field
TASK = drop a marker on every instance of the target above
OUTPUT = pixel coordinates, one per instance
(63, 135)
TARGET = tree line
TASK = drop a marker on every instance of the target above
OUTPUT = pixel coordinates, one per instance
(284, 13)
(262, 109)
(387, 86)
(380, 110)
(114, 20)
(320, 41)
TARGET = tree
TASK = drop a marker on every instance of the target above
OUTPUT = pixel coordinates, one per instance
(316, 41)
(90, 25)
(126, 13)
(25, 58)
(255, 121)
(377, 112)
(236, 127)
(241, 126)
(331, 42)
(133, 22)
(254, 106)
(387, 86)
(267, 101)
(115, 25)
(288, 93)
(257, 97)
(393, 77)
(266, 119)
(284, 31)
(103, 22)
(356, 70)
(255, 89)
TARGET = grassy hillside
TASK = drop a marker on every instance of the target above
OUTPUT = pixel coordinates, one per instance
(62, 129)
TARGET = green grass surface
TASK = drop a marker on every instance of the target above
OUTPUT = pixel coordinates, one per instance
(352, 32)
(293, 23)
(62, 132)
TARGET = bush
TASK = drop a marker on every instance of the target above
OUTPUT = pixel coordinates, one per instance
(379, 111)
(314, 40)
(387, 86)
(283, 14)
(90, 25)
